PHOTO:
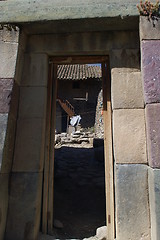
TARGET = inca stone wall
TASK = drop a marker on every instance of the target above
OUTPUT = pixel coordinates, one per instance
(136, 184)
(150, 50)
(8, 98)
(27, 168)
(129, 141)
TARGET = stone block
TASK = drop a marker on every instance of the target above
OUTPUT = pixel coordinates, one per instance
(5, 94)
(132, 208)
(35, 71)
(3, 129)
(153, 134)
(124, 58)
(9, 143)
(14, 100)
(33, 102)
(8, 59)
(150, 70)
(126, 88)
(9, 36)
(154, 196)
(3, 202)
(129, 136)
(20, 56)
(24, 210)
(29, 146)
(41, 11)
(148, 30)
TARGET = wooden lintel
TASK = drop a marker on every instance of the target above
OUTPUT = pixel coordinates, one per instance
(79, 59)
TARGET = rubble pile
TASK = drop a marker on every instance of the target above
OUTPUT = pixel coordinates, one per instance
(99, 122)
(77, 137)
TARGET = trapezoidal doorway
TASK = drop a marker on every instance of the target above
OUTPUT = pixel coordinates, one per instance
(48, 185)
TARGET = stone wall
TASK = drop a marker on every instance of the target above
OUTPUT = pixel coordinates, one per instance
(25, 196)
(129, 142)
(8, 112)
(129, 136)
(150, 51)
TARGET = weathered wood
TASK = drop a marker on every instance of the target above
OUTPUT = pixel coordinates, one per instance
(46, 161)
(51, 157)
(107, 113)
(79, 59)
(108, 148)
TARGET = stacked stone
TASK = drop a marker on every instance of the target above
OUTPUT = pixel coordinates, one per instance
(129, 142)
(99, 122)
(27, 166)
(150, 48)
(76, 137)
(8, 112)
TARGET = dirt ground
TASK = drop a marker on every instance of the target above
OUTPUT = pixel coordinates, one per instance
(79, 192)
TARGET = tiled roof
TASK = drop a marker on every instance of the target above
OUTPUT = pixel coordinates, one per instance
(79, 72)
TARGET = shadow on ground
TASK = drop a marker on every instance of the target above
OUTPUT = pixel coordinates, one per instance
(79, 192)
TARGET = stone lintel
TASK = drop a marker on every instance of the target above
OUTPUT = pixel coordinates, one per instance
(38, 10)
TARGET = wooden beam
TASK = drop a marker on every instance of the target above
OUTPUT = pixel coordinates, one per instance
(46, 157)
(79, 59)
(51, 157)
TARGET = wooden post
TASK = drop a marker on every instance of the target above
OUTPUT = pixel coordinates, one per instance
(108, 148)
(51, 156)
(47, 153)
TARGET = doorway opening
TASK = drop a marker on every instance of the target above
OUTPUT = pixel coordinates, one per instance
(76, 188)
(79, 176)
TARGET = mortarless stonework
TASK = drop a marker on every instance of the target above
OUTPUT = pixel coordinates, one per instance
(8, 49)
(132, 208)
(151, 70)
(126, 88)
(153, 134)
(154, 196)
(150, 48)
(129, 136)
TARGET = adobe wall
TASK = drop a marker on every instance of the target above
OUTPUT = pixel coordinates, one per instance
(129, 129)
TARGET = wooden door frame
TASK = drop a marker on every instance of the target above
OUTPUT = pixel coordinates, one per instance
(47, 213)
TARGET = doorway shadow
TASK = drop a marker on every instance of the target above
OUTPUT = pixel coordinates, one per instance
(79, 192)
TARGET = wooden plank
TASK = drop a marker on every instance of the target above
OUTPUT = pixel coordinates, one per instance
(46, 157)
(108, 148)
(51, 158)
(79, 59)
